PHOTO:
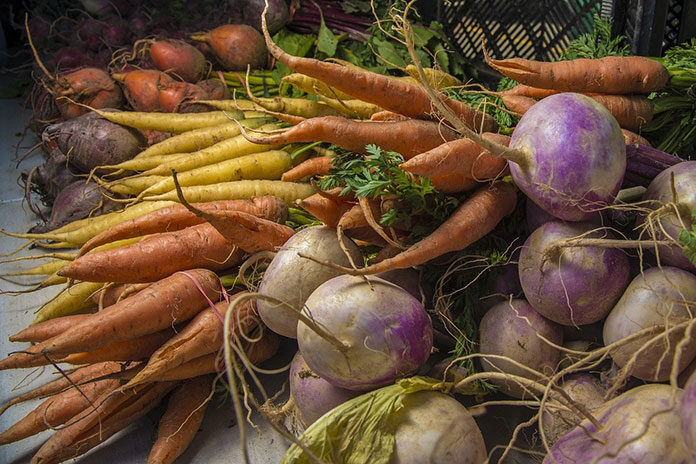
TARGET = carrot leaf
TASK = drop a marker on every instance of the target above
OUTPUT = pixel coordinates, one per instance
(378, 175)
(597, 44)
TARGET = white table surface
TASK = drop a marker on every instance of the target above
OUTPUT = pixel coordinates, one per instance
(217, 440)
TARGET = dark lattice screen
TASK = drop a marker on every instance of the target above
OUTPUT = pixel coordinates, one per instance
(517, 28)
(674, 17)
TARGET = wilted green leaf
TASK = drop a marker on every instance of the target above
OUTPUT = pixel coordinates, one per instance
(360, 430)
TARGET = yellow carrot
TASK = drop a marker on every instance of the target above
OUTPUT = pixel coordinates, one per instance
(71, 300)
(42, 269)
(437, 79)
(352, 108)
(265, 165)
(227, 149)
(132, 185)
(198, 139)
(314, 86)
(287, 191)
(169, 122)
(84, 229)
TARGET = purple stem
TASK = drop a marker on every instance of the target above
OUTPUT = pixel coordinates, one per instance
(644, 152)
(632, 179)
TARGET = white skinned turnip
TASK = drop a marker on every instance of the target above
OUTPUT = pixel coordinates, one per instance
(385, 332)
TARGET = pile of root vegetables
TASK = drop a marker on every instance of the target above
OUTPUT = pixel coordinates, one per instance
(240, 232)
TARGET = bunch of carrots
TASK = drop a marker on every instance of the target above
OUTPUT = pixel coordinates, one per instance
(143, 307)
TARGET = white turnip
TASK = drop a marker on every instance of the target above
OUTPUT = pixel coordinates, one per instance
(313, 395)
(660, 298)
(513, 329)
(572, 285)
(385, 332)
(291, 278)
(642, 425)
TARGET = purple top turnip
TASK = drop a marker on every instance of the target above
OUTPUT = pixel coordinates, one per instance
(666, 222)
(688, 414)
(576, 156)
(313, 395)
(558, 420)
(291, 278)
(572, 285)
(513, 329)
(642, 425)
(385, 332)
(658, 296)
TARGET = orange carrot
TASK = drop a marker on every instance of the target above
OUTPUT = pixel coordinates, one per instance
(94, 425)
(248, 232)
(57, 410)
(615, 75)
(115, 293)
(327, 210)
(202, 335)
(157, 256)
(170, 301)
(461, 156)
(180, 422)
(401, 97)
(409, 137)
(127, 350)
(318, 166)
(47, 329)
(630, 111)
(177, 217)
(51, 388)
(454, 183)
(473, 219)
(30, 357)
(387, 116)
(258, 352)
(527, 91)
(518, 104)
(633, 138)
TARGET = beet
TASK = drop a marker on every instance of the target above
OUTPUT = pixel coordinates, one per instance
(138, 26)
(92, 141)
(236, 46)
(142, 87)
(70, 58)
(215, 89)
(178, 58)
(276, 16)
(89, 86)
(50, 178)
(116, 35)
(76, 201)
